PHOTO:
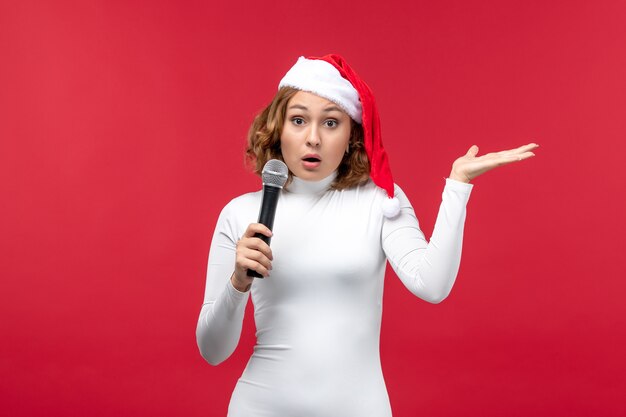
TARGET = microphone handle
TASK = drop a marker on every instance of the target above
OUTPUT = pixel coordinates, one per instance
(266, 217)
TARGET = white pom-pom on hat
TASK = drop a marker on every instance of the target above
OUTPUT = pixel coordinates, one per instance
(391, 207)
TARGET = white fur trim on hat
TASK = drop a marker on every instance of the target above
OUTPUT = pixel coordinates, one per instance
(321, 78)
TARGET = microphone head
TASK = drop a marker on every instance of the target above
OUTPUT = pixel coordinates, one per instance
(275, 173)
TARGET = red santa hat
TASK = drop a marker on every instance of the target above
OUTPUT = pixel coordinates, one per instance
(331, 77)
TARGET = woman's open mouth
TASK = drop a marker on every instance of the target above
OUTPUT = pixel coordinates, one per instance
(311, 161)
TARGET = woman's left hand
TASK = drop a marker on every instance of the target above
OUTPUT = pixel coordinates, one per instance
(469, 166)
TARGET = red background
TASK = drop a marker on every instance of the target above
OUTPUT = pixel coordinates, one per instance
(122, 126)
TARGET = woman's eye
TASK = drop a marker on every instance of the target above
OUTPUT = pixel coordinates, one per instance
(331, 123)
(297, 121)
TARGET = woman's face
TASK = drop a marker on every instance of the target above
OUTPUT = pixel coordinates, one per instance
(315, 136)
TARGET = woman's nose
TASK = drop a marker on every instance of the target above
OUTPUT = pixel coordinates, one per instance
(313, 138)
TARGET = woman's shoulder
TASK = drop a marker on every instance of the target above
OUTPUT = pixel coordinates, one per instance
(243, 204)
(247, 198)
(370, 188)
(367, 186)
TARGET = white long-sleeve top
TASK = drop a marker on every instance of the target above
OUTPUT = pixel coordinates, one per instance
(318, 314)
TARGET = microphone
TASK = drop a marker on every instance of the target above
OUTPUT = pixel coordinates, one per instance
(274, 177)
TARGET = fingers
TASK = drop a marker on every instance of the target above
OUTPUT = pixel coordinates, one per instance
(522, 149)
(252, 252)
(473, 151)
(253, 259)
(512, 155)
(250, 240)
(525, 155)
(521, 153)
(471, 166)
(528, 147)
(255, 228)
(255, 244)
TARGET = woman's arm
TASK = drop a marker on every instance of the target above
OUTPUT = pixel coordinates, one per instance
(219, 325)
(227, 284)
(428, 269)
(221, 317)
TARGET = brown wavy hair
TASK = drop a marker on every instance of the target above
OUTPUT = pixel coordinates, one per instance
(264, 143)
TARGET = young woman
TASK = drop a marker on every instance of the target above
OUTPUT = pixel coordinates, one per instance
(339, 219)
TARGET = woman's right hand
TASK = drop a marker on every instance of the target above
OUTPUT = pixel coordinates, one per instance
(252, 253)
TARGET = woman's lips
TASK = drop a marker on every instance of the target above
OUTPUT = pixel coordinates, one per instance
(311, 165)
(311, 161)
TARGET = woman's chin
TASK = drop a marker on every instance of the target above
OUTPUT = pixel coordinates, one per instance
(310, 175)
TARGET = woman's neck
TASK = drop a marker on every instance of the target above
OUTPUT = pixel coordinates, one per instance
(300, 186)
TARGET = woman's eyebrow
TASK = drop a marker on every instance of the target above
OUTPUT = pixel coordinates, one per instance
(303, 107)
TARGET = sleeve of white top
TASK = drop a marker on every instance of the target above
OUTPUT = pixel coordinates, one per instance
(221, 317)
(428, 269)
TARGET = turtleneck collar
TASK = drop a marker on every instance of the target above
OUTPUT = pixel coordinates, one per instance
(300, 186)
